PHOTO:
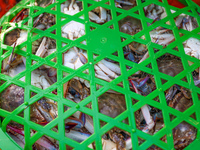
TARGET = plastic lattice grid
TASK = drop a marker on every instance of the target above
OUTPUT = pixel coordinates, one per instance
(110, 41)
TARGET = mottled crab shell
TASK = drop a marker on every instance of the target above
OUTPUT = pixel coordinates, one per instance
(12, 97)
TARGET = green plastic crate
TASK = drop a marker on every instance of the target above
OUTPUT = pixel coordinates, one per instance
(104, 42)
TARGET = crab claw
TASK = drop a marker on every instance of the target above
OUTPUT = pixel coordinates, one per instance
(97, 19)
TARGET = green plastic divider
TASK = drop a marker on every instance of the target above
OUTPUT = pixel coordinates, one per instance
(102, 42)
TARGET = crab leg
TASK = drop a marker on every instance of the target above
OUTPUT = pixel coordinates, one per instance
(145, 111)
(19, 137)
(88, 122)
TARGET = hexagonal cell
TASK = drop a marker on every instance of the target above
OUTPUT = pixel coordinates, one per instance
(71, 7)
(135, 51)
(12, 97)
(170, 65)
(117, 138)
(44, 21)
(16, 132)
(76, 89)
(130, 25)
(43, 111)
(11, 37)
(75, 58)
(100, 15)
(179, 98)
(21, 15)
(2, 82)
(15, 37)
(107, 69)
(111, 104)
(12, 64)
(141, 140)
(153, 120)
(162, 36)
(92, 146)
(186, 22)
(154, 12)
(45, 142)
(43, 47)
(78, 127)
(72, 29)
(142, 83)
(44, 76)
(183, 135)
(126, 5)
(191, 48)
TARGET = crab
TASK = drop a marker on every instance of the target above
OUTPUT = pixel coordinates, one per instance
(184, 133)
(104, 69)
(191, 45)
(110, 104)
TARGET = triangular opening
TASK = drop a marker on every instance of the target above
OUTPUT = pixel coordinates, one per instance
(68, 147)
(142, 37)
(126, 121)
(102, 123)
(115, 53)
(54, 91)
(163, 81)
(184, 79)
(89, 105)
(66, 108)
(123, 39)
(2, 82)
(193, 116)
(86, 71)
(137, 12)
(92, 145)
(111, 26)
(134, 101)
(172, 117)
(84, 42)
(149, 66)
(65, 73)
(181, 34)
(156, 99)
(120, 84)
(95, 56)
(92, 28)
(164, 138)
(53, 32)
(141, 140)
(22, 79)
(53, 8)
(175, 48)
(64, 44)
(118, 13)
(32, 94)
(21, 113)
(155, 50)
(33, 62)
(128, 67)
(98, 86)
(55, 128)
